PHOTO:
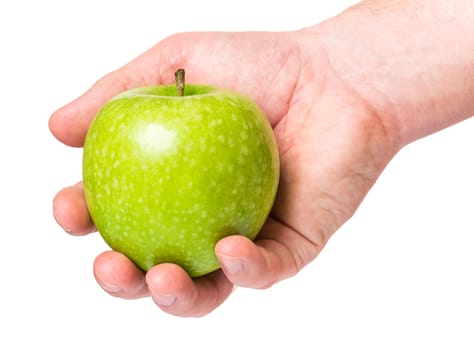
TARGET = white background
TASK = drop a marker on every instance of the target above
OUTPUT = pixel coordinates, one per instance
(399, 275)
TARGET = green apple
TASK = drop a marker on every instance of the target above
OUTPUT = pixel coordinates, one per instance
(167, 176)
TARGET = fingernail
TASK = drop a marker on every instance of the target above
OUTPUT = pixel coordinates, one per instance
(108, 287)
(231, 265)
(60, 223)
(164, 299)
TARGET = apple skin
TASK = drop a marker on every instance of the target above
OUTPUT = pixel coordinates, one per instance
(166, 177)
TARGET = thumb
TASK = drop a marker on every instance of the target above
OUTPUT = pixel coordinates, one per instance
(278, 253)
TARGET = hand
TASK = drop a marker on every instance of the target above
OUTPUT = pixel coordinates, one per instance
(335, 136)
(332, 148)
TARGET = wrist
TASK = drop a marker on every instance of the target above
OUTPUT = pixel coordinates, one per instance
(413, 62)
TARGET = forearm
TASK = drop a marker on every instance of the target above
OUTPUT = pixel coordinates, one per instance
(412, 61)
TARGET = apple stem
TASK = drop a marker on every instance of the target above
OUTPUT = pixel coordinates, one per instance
(179, 77)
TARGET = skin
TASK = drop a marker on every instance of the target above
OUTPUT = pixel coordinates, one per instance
(343, 97)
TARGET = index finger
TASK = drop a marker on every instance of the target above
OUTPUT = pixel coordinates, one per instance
(70, 123)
